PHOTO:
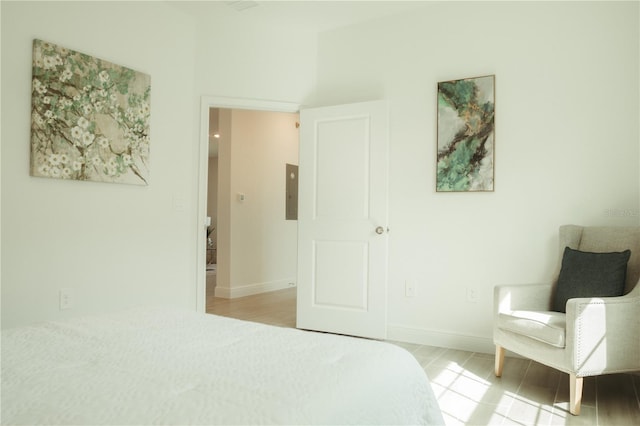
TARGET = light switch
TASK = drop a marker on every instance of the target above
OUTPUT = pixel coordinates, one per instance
(179, 203)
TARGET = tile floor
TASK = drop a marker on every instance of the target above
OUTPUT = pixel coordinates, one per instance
(528, 393)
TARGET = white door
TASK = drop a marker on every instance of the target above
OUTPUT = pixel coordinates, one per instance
(342, 220)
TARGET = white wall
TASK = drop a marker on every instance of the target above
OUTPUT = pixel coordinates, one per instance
(262, 245)
(567, 145)
(118, 246)
(115, 246)
(212, 195)
(240, 58)
(223, 272)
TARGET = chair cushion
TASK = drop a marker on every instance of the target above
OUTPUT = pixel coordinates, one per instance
(545, 326)
(586, 274)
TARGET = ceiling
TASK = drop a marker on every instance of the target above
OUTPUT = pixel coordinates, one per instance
(310, 15)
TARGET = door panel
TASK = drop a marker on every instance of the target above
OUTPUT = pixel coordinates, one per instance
(341, 187)
(342, 260)
(342, 284)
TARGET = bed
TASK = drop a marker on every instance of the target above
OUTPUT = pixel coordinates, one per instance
(158, 366)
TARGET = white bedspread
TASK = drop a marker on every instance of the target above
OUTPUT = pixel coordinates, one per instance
(156, 366)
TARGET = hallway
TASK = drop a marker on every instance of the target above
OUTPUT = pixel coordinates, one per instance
(274, 308)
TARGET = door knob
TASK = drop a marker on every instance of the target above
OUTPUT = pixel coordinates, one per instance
(379, 230)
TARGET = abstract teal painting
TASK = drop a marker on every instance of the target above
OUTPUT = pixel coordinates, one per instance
(466, 127)
(89, 118)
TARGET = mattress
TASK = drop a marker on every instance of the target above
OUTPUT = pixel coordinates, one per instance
(158, 366)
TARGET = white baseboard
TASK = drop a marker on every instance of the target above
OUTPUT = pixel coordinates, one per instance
(440, 339)
(250, 289)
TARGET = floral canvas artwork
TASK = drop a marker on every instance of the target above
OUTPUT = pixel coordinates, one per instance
(89, 118)
(466, 135)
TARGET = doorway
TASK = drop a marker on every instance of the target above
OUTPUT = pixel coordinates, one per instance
(345, 282)
(247, 237)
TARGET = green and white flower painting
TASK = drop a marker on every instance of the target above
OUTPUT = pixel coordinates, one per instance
(466, 110)
(89, 118)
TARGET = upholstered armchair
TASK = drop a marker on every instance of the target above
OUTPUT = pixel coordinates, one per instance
(596, 335)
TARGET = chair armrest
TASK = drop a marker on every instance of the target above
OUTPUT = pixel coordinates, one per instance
(603, 334)
(525, 297)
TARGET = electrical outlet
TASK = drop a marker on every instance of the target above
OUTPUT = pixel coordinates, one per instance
(66, 298)
(409, 288)
(472, 295)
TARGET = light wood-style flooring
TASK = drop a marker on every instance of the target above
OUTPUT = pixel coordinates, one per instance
(274, 308)
(467, 390)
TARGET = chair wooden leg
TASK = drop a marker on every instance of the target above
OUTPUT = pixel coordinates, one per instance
(499, 360)
(575, 394)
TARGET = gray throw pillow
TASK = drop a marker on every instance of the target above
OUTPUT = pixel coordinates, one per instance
(585, 274)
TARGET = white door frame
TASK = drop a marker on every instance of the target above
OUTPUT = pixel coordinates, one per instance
(207, 102)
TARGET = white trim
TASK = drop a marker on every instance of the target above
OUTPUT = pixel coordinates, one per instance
(251, 289)
(253, 104)
(207, 102)
(441, 339)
